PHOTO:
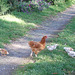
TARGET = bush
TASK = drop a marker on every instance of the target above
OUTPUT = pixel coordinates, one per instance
(27, 7)
(3, 6)
(30, 6)
(66, 0)
(58, 1)
(27, 0)
(51, 1)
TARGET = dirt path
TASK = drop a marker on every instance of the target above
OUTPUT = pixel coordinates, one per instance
(19, 49)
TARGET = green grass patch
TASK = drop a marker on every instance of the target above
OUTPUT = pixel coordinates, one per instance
(17, 24)
(57, 61)
(12, 27)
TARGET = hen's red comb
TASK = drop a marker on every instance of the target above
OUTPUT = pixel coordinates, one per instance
(45, 36)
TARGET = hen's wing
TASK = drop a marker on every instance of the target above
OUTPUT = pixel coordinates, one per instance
(34, 44)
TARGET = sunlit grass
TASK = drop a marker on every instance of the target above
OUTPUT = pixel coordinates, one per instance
(12, 18)
(12, 27)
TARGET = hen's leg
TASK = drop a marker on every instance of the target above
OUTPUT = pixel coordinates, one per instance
(35, 55)
(36, 52)
(31, 53)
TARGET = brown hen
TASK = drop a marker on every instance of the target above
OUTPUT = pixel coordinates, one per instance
(37, 46)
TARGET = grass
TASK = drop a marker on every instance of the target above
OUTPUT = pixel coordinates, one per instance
(12, 27)
(56, 62)
(17, 24)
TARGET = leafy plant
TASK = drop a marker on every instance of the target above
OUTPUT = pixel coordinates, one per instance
(3, 6)
(51, 1)
(30, 6)
(27, 0)
(43, 4)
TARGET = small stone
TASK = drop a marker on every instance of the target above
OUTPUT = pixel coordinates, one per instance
(4, 68)
(12, 67)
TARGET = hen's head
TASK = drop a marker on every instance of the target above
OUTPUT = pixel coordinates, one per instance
(45, 37)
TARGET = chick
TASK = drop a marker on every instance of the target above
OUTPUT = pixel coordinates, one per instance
(52, 47)
(71, 53)
(3, 52)
(67, 49)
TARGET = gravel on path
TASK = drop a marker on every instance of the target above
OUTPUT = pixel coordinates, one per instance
(19, 50)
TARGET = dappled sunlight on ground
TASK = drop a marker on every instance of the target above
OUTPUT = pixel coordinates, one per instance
(14, 60)
(12, 18)
(51, 58)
